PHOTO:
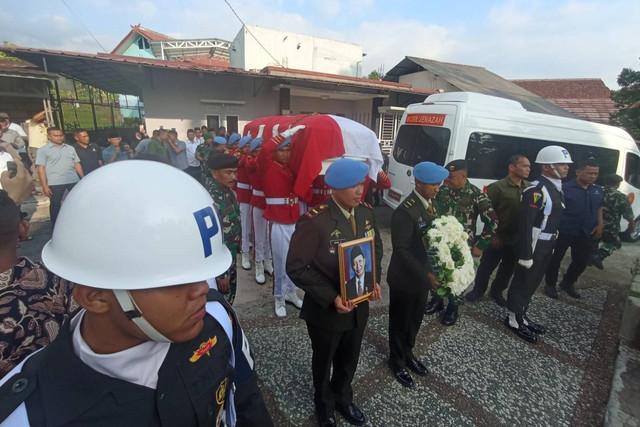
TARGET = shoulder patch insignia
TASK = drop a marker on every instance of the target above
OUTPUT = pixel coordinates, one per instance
(221, 392)
(315, 211)
(204, 348)
(536, 197)
(409, 203)
(366, 205)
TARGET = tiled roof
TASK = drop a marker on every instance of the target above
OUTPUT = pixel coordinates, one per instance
(15, 68)
(589, 99)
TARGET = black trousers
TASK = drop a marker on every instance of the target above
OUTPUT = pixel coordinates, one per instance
(507, 257)
(342, 350)
(195, 172)
(525, 281)
(57, 192)
(405, 317)
(580, 252)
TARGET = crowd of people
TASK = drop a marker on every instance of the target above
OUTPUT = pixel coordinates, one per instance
(125, 330)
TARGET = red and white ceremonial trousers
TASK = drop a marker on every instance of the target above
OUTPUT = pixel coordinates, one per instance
(280, 239)
(261, 246)
(246, 222)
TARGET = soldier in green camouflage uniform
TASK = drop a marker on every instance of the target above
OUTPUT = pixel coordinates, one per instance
(458, 197)
(616, 206)
(203, 151)
(223, 175)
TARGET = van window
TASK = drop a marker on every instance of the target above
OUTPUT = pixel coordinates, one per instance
(487, 155)
(415, 144)
(632, 170)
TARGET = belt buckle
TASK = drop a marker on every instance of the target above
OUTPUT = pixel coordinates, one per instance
(291, 201)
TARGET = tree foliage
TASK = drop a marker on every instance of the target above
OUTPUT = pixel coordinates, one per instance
(627, 100)
(375, 75)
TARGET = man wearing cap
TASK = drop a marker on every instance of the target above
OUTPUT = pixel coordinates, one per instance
(89, 153)
(615, 207)
(261, 241)
(190, 148)
(203, 151)
(116, 151)
(335, 328)
(580, 226)
(463, 200)
(243, 192)
(410, 275)
(150, 347)
(59, 169)
(224, 170)
(505, 196)
(232, 144)
(542, 207)
(282, 210)
(220, 144)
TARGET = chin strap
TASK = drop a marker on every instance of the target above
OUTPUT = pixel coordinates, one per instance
(133, 313)
(553, 168)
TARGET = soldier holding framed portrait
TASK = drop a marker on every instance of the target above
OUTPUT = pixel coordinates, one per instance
(335, 326)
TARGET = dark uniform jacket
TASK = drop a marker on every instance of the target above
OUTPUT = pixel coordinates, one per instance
(409, 264)
(312, 262)
(533, 206)
(194, 382)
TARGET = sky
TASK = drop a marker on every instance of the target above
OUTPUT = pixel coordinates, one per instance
(516, 39)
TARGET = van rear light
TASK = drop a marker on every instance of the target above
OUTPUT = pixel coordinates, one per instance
(395, 196)
(631, 198)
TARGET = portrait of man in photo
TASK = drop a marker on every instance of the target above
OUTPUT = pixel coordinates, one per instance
(361, 282)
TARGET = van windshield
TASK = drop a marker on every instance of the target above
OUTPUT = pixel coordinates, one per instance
(415, 144)
(632, 170)
(487, 155)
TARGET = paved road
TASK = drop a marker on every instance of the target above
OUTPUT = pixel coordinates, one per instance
(481, 374)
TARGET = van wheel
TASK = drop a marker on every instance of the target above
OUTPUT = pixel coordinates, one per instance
(632, 235)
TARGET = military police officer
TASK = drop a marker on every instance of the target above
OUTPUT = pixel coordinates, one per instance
(465, 201)
(335, 327)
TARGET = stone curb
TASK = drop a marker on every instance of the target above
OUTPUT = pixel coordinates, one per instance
(623, 408)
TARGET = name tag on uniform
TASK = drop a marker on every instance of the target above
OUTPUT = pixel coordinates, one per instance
(370, 233)
(422, 225)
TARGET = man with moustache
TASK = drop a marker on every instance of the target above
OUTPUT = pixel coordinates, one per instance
(89, 153)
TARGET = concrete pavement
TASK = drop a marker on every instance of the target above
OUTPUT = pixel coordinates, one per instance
(481, 374)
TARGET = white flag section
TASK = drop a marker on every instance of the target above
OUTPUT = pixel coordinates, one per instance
(360, 141)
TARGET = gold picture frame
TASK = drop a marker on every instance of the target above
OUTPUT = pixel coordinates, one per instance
(351, 264)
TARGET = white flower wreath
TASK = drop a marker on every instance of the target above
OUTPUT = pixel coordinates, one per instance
(452, 255)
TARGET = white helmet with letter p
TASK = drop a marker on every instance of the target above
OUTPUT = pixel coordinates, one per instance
(553, 154)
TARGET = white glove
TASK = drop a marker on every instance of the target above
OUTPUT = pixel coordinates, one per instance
(290, 132)
(526, 263)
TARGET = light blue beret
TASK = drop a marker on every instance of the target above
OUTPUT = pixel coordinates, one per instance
(429, 173)
(284, 143)
(233, 138)
(345, 173)
(256, 142)
(219, 140)
(244, 141)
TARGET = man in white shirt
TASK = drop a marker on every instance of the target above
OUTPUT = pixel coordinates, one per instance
(192, 143)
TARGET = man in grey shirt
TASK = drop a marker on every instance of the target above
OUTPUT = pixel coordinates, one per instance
(177, 151)
(58, 168)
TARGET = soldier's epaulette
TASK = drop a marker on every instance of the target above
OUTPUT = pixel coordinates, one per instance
(409, 203)
(366, 205)
(315, 211)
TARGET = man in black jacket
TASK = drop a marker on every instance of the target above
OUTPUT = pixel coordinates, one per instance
(335, 328)
(410, 275)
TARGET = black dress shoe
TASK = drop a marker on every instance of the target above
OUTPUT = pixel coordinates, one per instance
(402, 376)
(551, 292)
(570, 290)
(522, 331)
(450, 315)
(473, 296)
(352, 414)
(327, 420)
(418, 367)
(433, 306)
(534, 327)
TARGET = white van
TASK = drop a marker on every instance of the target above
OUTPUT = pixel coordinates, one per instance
(487, 130)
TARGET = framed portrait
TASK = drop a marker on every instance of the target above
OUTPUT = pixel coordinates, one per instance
(357, 269)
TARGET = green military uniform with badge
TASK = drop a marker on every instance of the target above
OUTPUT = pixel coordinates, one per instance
(227, 206)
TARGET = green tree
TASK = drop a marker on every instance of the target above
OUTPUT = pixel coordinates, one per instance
(627, 100)
(375, 75)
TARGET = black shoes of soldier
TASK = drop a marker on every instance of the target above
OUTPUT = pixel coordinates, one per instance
(597, 258)
(521, 330)
(570, 290)
(433, 306)
(534, 327)
(327, 420)
(551, 291)
(418, 367)
(352, 414)
(401, 375)
(450, 315)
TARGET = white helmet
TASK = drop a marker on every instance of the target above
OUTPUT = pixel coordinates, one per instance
(553, 154)
(137, 225)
